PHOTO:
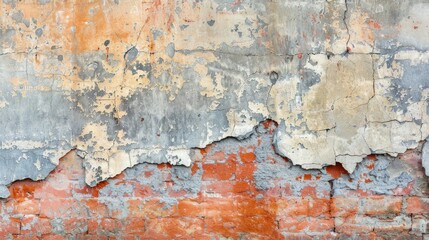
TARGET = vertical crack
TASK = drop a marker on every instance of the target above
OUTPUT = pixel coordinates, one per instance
(345, 24)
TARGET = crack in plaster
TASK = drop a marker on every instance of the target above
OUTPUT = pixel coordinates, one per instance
(330, 104)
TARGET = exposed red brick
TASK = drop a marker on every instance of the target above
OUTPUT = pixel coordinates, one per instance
(376, 205)
(29, 206)
(62, 208)
(308, 225)
(95, 208)
(173, 228)
(232, 226)
(195, 167)
(135, 226)
(319, 207)
(397, 224)
(344, 206)
(417, 205)
(226, 188)
(217, 156)
(75, 225)
(309, 191)
(89, 192)
(336, 170)
(219, 171)
(245, 171)
(247, 155)
(84, 236)
(190, 208)
(227, 203)
(164, 166)
(353, 225)
(249, 206)
(36, 226)
(23, 189)
(54, 237)
(149, 209)
(25, 237)
(9, 226)
(106, 226)
(293, 206)
(211, 207)
(307, 177)
(143, 191)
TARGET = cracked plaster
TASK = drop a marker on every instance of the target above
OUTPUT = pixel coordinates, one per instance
(126, 82)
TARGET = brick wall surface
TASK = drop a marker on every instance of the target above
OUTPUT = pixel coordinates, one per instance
(234, 189)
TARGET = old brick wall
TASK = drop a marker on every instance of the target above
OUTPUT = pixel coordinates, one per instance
(234, 189)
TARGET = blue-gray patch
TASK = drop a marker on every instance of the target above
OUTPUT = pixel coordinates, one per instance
(408, 89)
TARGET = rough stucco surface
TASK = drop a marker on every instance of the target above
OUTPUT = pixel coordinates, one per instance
(125, 82)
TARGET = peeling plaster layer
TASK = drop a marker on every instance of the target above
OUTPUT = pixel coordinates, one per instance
(126, 82)
(425, 158)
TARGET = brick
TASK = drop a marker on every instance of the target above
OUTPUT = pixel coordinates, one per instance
(35, 225)
(228, 188)
(195, 167)
(149, 209)
(134, 226)
(319, 236)
(24, 189)
(353, 225)
(75, 225)
(249, 206)
(29, 206)
(219, 207)
(293, 206)
(173, 228)
(55, 186)
(85, 236)
(297, 236)
(219, 171)
(105, 226)
(247, 155)
(309, 191)
(144, 191)
(62, 208)
(190, 208)
(96, 209)
(398, 224)
(25, 237)
(377, 205)
(336, 170)
(211, 207)
(133, 237)
(417, 205)
(306, 225)
(344, 206)
(81, 190)
(396, 235)
(217, 156)
(319, 207)
(54, 237)
(10, 226)
(230, 226)
(245, 171)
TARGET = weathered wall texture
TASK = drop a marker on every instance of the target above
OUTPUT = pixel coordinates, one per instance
(125, 82)
(234, 189)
